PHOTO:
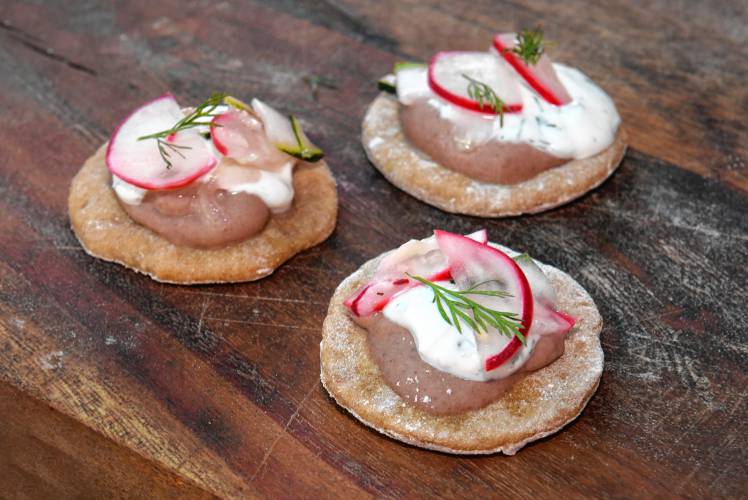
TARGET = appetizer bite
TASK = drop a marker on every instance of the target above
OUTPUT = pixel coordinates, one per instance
(494, 133)
(223, 192)
(456, 344)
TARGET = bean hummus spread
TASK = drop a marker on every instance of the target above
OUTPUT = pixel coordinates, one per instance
(496, 162)
(394, 351)
(202, 214)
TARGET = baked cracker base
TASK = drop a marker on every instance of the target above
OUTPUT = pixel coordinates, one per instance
(107, 232)
(408, 169)
(537, 406)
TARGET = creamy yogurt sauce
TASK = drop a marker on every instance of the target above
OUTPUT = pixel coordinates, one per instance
(441, 345)
(274, 188)
(577, 130)
(126, 192)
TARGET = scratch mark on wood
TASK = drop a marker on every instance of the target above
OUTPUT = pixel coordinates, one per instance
(67, 248)
(284, 433)
(257, 323)
(737, 404)
(617, 212)
(250, 297)
(25, 39)
(202, 315)
(687, 479)
(694, 423)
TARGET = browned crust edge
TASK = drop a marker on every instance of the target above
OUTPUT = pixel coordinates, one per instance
(106, 231)
(417, 175)
(539, 405)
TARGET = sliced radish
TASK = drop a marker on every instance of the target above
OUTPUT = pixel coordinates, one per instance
(416, 257)
(446, 77)
(285, 133)
(566, 319)
(139, 162)
(240, 135)
(419, 257)
(542, 289)
(541, 76)
(472, 263)
(377, 294)
(546, 320)
(233, 131)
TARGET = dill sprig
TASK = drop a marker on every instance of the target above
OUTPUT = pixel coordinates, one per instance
(192, 120)
(485, 96)
(204, 110)
(454, 305)
(164, 148)
(530, 45)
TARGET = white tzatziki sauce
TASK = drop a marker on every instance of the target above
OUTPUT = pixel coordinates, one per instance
(274, 188)
(126, 192)
(441, 345)
(581, 129)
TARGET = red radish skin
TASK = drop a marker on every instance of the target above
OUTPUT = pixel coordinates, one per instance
(242, 136)
(387, 290)
(508, 353)
(461, 101)
(541, 77)
(353, 301)
(377, 294)
(453, 245)
(223, 123)
(220, 147)
(567, 319)
(116, 166)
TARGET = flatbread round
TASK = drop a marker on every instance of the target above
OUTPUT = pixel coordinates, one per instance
(107, 232)
(540, 404)
(410, 170)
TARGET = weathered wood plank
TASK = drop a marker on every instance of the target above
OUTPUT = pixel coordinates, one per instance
(43, 451)
(218, 385)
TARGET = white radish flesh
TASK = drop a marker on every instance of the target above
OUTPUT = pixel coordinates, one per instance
(541, 76)
(140, 163)
(448, 77)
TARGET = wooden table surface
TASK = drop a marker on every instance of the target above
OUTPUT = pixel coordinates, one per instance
(114, 385)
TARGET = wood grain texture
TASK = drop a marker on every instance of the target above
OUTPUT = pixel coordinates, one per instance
(43, 450)
(218, 386)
